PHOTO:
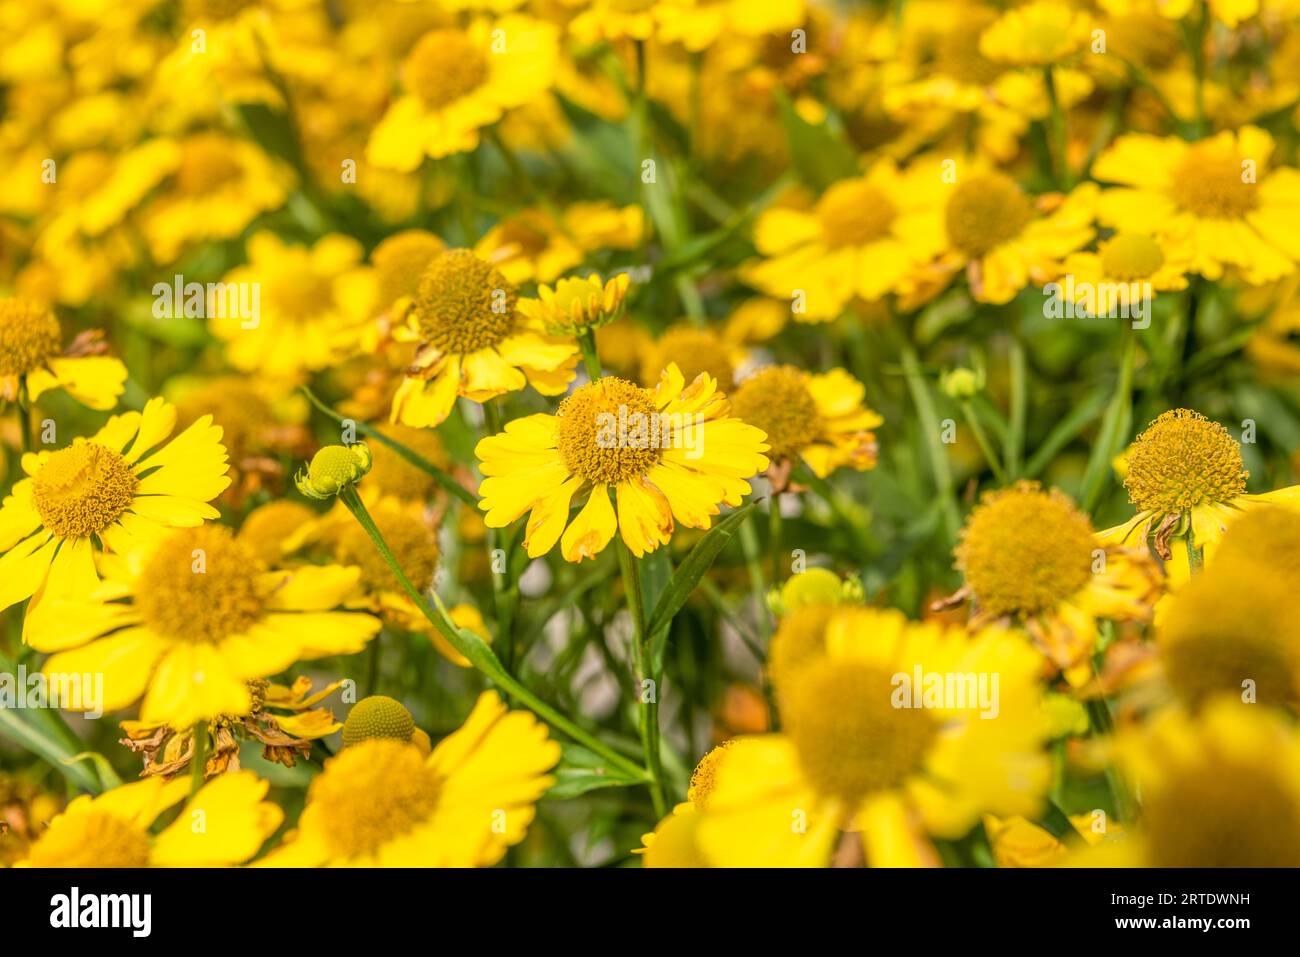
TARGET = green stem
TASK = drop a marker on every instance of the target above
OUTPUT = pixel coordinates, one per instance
(1195, 554)
(774, 536)
(25, 415)
(479, 653)
(1015, 443)
(982, 439)
(438, 475)
(644, 663)
(590, 358)
(1060, 140)
(932, 432)
(505, 593)
(199, 763)
(1103, 725)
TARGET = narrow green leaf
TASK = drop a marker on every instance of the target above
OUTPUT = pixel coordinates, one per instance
(28, 736)
(816, 152)
(581, 770)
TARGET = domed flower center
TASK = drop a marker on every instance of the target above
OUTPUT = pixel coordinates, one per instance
(29, 336)
(777, 400)
(83, 489)
(609, 431)
(444, 66)
(695, 351)
(854, 213)
(400, 261)
(464, 304)
(1025, 550)
(373, 793)
(206, 165)
(705, 776)
(985, 211)
(200, 586)
(412, 543)
(95, 838)
(1223, 814)
(850, 738)
(377, 717)
(1128, 257)
(523, 236)
(1183, 460)
(1210, 183)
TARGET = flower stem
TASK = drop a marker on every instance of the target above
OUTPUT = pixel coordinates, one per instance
(932, 433)
(1195, 554)
(480, 655)
(982, 439)
(774, 536)
(1060, 140)
(505, 593)
(590, 359)
(199, 763)
(24, 415)
(643, 661)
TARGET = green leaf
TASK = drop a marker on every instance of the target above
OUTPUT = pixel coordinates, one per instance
(581, 770)
(688, 575)
(816, 152)
(105, 770)
(25, 734)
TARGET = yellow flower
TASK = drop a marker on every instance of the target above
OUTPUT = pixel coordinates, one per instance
(1218, 790)
(32, 352)
(1220, 193)
(615, 20)
(867, 750)
(458, 81)
(313, 305)
(1185, 474)
(474, 342)
(677, 455)
(1030, 557)
(333, 469)
(861, 240)
(817, 418)
(1231, 12)
(400, 261)
(189, 622)
(994, 231)
(532, 245)
(673, 842)
(1117, 275)
(384, 803)
(119, 489)
(113, 829)
(576, 305)
(1037, 34)
(698, 24)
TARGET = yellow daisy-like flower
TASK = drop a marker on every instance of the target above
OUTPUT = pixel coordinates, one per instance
(533, 245)
(1185, 475)
(575, 305)
(698, 24)
(114, 828)
(1221, 789)
(1230, 12)
(458, 81)
(615, 20)
(878, 741)
(861, 239)
(672, 454)
(475, 342)
(1124, 269)
(32, 353)
(1030, 558)
(1237, 212)
(119, 489)
(816, 418)
(383, 803)
(400, 261)
(313, 305)
(996, 233)
(695, 349)
(673, 842)
(189, 623)
(1036, 34)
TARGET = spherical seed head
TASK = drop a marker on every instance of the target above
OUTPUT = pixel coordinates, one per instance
(776, 399)
(444, 66)
(400, 261)
(1183, 460)
(200, 585)
(83, 489)
(29, 336)
(695, 350)
(332, 469)
(814, 586)
(985, 211)
(589, 439)
(377, 717)
(1025, 550)
(463, 303)
(1128, 257)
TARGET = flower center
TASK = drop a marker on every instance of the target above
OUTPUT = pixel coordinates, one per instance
(957, 52)
(400, 261)
(443, 67)
(373, 793)
(850, 738)
(29, 335)
(206, 165)
(777, 400)
(523, 236)
(200, 586)
(394, 475)
(799, 639)
(985, 211)
(1131, 256)
(412, 543)
(83, 489)
(1208, 183)
(854, 213)
(268, 526)
(377, 717)
(609, 431)
(1183, 460)
(464, 304)
(695, 351)
(94, 838)
(1223, 813)
(705, 776)
(1024, 550)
